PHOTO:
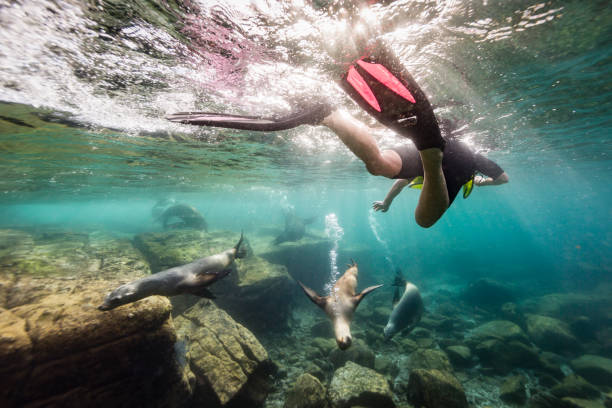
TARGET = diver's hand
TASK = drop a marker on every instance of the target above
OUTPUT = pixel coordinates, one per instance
(380, 206)
(480, 181)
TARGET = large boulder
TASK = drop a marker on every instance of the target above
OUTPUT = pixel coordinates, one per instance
(354, 385)
(513, 390)
(435, 389)
(574, 386)
(487, 293)
(503, 357)
(460, 356)
(551, 334)
(358, 353)
(430, 359)
(595, 369)
(229, 364)
(65, 352)
(307, 392)
(569, 306)
(502, 330)
(260, 300)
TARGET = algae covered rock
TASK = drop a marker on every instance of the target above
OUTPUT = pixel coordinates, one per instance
(227, 360)
(503, 357)
(307, 392)
(358, 353)
(595, 369)
(80, 356)
(259, 299)
(430, 359)
(551, 334)
(354, 385)
(435, 389)
(574, 386)
(513, 390)
(502, 330)
(460, 356)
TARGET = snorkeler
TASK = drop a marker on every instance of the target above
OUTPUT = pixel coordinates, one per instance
(381, 86)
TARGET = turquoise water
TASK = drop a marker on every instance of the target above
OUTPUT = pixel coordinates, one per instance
(84, 146)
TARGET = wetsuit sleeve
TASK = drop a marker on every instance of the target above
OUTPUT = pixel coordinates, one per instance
(487, 167)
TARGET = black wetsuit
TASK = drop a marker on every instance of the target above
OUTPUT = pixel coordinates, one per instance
(459, 164)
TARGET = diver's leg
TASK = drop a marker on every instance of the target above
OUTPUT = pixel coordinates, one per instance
(433, 200)
(357, 137)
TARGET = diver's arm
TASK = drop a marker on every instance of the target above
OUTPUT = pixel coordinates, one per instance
(395, 189)
(488, 181)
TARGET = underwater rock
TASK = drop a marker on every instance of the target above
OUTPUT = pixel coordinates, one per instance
(260, 298)
(583, 328)
(546, 400)
(307, 392)
(487, 294)
(430, 359)
(569, 306)
(407, 345)
(79, 356)
(595, 369)
(501, 330)
(574, 386)
(301, 259)
(511, 312)
(358, 353)
(460, 356)
(386, 365)
(503, 357)
(551, 334)
(435, 389)
(354, 385)
(608, 400)
(229, 363)
(513, 390)
(551, 364)
(325, 344)
(571, 402)
(15, 355)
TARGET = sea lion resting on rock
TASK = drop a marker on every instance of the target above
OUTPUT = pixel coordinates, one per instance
(340, 305)
(407, 310)
(295, 228)
(192, 278)
(190, 217)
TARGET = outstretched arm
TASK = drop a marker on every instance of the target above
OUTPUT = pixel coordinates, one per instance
(396, 188)
(489, 181)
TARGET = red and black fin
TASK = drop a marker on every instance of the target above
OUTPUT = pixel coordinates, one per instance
(383, 88)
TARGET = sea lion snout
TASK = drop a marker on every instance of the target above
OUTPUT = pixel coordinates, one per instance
(344, 342)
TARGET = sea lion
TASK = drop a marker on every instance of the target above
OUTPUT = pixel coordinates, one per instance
(295, 228)
(407, 310)
(192, 278)
(162, 205)
(340, 305)
(190, 217)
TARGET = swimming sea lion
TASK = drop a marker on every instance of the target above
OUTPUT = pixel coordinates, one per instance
(340, 305)
(295, 228)
(407, 310)
(191, 218)
(192, 278)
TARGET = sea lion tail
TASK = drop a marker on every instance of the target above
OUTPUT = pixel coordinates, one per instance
(358, 298)
(241, 250)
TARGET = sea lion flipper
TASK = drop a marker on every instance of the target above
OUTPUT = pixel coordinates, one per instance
(312, 295)
(358, 298)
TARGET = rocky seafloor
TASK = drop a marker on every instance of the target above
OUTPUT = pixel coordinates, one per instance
(262, 343)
